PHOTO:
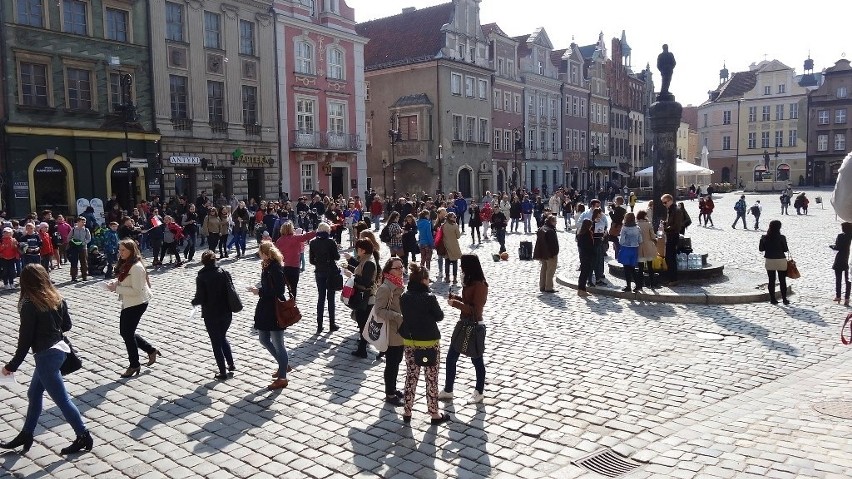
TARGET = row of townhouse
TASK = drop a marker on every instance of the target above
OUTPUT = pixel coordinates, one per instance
(249, 98)
(768, 127)
(456, 105)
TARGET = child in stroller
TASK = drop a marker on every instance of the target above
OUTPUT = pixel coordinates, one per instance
(97, 262)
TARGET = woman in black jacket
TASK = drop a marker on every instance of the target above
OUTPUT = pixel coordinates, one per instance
(211, 293)
(774, 246)
(587, 250)
(515, 213)
(44, 319)
(841, 260)
(272, 286)
(475, 223)
(420, 315)
(366, 274)
(323, 254)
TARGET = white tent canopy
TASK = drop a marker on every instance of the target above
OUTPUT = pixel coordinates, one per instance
(684, 168)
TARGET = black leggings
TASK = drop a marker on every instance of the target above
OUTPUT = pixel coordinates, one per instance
(450, 262)
(171, 250)
(839, 275)
(128, 322)
(782, 282)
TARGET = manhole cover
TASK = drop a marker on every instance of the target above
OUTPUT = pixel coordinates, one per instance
(841, 409)
(709, 336)
(607, 463)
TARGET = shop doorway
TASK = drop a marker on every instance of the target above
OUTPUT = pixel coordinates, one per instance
(337, 182)
(222, 185)
(50, 185)
(501, 180)
(465, 185)
(123, 182)
(253, 177)
(184, 182)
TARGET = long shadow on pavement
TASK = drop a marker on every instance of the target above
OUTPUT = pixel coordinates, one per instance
(389, 442)
(469, 439)
(736, 325)
(248, 414)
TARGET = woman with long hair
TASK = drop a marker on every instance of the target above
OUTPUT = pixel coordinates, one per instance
(272, 287)
(774, 246)
(323, 254)
(44, 319)
(451, 234)
(290, 245)
(421, 313)
(586, 249)
(210, 228)
(224, 230)
(387, 309)
(211, 293)
(647, 249)
(470, 304)
(628, 252)
(425, 239)
(841, 260)
(366, 275)
(134, 291)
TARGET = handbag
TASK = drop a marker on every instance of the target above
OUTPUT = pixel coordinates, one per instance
(334, 282)
(469, 338)
(792, 269)
(72, 362)
(348, 290)
(376, 330)
(235, 305)
(847, 323)
(426, 356)
(286, 311)
(659, 264)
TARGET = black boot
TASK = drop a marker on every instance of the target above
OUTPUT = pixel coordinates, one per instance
(361, 351)
(772, 297)
(81, 442)
(22, 439)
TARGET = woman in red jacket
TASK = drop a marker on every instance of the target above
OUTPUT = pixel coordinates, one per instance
(290, 246)
(9, 254)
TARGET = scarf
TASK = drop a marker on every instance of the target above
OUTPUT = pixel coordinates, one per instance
(395, 280)
(124, 270)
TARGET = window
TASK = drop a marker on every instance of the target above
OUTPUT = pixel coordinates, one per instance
(310, 5)
(457, 127)
(840, 142)
(782, 89)
(116, 24)
(794, 111)
(542, 140)
(822, 142)
(574, 74)
(247, 38)
(500, 67)
(531, 136)
(455, 83)
(174, 22)
(726, 117)
(767, 90)
(498, 98)
(337, 119)
(462, 50)
(507, 101)
(517, 103)
(582, 140)
(791, 138)
(842, 92)
(483, 89)
(304, 57)
(779, 139)
(178, 96)
(553, 108)
(765, 113)
(764, 139)
(74, 15)
(508, 141)
(115, 94)
(497, 138)
(31, 12)
(752, 140)
(510, 68)
(471, 129)
(216, 101)
(307, 177)
(408, 127)
(840, 116)
(705, 120)
(822, 117)
(604, 115)
(366, 91)
(541, 108)
(726, 142)
(540, 68)
(554, 141)
(469, 86)
(212, 30)
(79, 89)
(752, 114)
(305, 108)
(335, 64)
(575, 106)
(582, 107)
(249, 105)
(33, 78)
(483, 130)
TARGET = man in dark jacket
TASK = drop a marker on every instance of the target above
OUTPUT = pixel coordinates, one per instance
(546, 250)
(498, 226)
(672, 226)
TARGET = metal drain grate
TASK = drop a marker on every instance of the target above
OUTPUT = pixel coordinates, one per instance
(607, 463)
(839, 409)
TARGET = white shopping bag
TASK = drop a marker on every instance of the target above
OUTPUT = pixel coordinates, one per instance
(376, 331)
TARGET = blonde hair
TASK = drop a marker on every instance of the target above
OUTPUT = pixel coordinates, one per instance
(272, 253)
(287, 228)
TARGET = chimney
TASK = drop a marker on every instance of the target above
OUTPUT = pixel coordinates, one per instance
(408, 9)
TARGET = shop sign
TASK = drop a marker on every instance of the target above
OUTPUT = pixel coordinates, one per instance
(185, 160)
(22, 189)
(49, 169)
(255, 160)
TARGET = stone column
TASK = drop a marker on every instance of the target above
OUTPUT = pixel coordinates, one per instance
(665, 120)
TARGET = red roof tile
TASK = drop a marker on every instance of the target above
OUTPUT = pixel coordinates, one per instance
(409, 37)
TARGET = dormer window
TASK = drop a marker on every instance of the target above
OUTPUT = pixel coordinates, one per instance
(540, 68)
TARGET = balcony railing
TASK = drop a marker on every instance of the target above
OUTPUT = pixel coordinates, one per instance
(252, 129)
(182, 124)
(219, 126)
(326, 140)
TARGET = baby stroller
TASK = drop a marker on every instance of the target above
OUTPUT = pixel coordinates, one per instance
(97, 262)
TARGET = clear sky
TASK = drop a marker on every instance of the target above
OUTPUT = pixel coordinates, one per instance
(702, 36)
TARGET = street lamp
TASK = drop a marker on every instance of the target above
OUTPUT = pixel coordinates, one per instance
(594, 152)
(395, 137)
(384, 177)
(440, 169)
(128, 110)
(517, 136)
(775, 168)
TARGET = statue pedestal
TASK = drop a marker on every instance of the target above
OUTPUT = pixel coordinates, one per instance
(665, 115)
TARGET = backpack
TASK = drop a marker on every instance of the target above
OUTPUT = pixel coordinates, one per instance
(739, 206)
(384, 236)
(755, 210)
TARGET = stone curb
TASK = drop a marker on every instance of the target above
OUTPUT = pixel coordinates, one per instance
(690, 298)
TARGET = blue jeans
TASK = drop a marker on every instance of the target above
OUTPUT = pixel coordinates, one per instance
(513, 226)
(273, 341)
(46, 377)
(377, 221)
(478, 365)
(527, 227)
(323, 294)
(461, 221)
(238, 238)
(500, 234)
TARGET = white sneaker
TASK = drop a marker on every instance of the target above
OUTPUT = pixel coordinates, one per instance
(476, 397)
(445, 396)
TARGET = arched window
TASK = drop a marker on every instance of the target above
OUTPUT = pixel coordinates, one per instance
(759, 172)
(783, 173)
(726, 175)
(465, 186)
(501, 180)
(304, 57)
(335, 64)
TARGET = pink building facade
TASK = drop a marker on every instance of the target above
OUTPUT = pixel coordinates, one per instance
(321, 88)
